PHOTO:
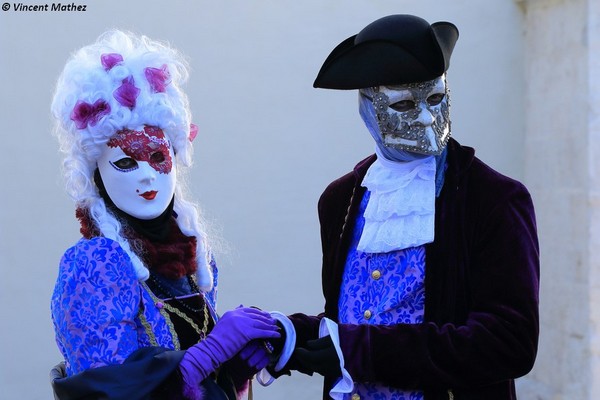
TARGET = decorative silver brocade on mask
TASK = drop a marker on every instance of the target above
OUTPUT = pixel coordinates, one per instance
(424, 128)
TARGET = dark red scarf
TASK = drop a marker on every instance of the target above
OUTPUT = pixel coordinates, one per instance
(172, 257)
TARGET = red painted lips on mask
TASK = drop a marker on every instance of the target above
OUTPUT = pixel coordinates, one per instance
(149, 195)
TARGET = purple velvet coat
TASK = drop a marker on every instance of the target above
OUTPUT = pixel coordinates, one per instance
(482, 275)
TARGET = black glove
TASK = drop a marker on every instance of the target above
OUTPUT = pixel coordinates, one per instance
(318, 356)
(275, 345)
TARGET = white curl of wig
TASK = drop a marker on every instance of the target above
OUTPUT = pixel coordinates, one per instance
(84, 78)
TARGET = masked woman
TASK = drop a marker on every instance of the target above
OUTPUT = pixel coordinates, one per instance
(133, 306)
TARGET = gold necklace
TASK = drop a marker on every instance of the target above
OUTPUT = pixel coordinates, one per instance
(187, 319)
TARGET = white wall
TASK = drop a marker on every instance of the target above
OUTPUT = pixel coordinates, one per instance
(562, 167)
(268, 144)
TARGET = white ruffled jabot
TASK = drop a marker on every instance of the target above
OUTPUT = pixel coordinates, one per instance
(401, 209)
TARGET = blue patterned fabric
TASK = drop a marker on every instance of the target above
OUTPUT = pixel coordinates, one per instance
(101, 312)
(389, 286)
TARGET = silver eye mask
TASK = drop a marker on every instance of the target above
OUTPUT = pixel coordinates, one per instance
(421, 121)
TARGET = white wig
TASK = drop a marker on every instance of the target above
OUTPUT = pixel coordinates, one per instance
(89, 110)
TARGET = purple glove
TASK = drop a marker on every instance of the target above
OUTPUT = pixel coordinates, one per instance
(255, 355)
(251, 359)
(232, 333)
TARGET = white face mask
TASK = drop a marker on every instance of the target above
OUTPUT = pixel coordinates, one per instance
(138, 172)
(413, 117)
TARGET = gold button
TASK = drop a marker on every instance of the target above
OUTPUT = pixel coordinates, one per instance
(355, 396)
(376, 274)
(367, 314)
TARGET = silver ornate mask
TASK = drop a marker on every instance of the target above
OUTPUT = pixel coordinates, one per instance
(413, 117)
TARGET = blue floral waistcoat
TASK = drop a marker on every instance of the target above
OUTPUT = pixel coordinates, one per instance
(382, 289)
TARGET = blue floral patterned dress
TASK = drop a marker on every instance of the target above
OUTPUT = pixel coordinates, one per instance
(102, 313)
(382, 289)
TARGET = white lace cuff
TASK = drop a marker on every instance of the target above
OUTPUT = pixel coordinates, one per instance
(344, 384)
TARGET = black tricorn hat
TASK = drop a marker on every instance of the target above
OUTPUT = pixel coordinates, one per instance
(392, 50)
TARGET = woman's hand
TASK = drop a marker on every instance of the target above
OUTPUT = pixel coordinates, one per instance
(255, 355)
(238, 327)
(234, 330)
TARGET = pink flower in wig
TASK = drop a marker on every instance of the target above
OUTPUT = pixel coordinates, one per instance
(158, 78)
(109, 60)
(193, 132)
(85, 114)
(127, 93)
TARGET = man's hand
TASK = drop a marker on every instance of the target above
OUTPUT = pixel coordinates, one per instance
(318, 356)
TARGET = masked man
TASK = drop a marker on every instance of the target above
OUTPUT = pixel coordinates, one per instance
(430, 257)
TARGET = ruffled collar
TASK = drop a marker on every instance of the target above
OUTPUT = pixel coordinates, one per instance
(401, 208)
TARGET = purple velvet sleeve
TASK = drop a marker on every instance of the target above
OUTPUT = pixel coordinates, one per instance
(498, 338)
